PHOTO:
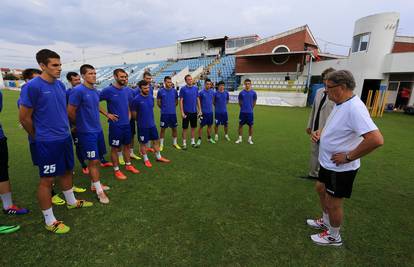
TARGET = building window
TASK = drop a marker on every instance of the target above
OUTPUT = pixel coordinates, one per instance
(281, 58)
(360, 42)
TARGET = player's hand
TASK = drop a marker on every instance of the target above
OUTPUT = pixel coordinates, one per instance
(183, 115)
(308, 131)
(73, 129)
(112, 117)
(339, 158)
(200, 114)
(315, 136)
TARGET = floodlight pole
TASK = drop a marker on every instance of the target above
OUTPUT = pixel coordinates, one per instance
(309, 72)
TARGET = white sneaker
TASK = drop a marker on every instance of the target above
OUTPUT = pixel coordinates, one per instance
(227, 137)
(238, 141)
(317, 224)
(103, 198)
(250, 142)
(216, 138)
(326, 239)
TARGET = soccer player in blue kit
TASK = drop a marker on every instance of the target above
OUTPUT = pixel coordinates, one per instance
(147, 76)
(74, 79)
(205, 101)
(221, 99)
(83, 110)
(143, 112)
(117, 97)
(43, 115)
(132, 94)
(167, 100)
(247, 102)
(188, 107)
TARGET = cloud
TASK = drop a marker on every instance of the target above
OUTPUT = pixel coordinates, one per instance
(102, 27)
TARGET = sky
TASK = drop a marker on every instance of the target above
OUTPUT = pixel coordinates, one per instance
(93, 28)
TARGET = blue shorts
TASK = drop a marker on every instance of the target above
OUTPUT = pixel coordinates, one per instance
(246, 118)
(222, 118)
(207, 119)
(32, 147)
(54, 158)
(147, 134)
(168, 121)
(119, 135)
(132, 124)
(92, 145)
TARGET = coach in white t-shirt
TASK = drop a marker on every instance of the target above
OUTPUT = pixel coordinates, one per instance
(348, 135)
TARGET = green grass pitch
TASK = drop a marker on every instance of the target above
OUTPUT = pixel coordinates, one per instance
(223, 204)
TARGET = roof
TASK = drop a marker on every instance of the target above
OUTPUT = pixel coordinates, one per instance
(278, 36)
(404, 39)
(194, 39)
(216, 38)
(278, 53)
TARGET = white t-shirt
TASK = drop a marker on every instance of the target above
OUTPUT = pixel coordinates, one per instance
(343, 132)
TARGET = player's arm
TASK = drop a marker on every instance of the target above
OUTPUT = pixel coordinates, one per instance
(182, 107)
(159, 102)
(199, 106)
(110, 116)
(134, 115)
(72, 113)
(240, 101)
(25, 118)
(254, 99)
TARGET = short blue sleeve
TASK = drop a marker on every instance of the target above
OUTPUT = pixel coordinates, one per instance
(103, 95)
(159, 94)
(134, 104)
(181, 93)
(254, 96)
(28, 96)
(75, 98)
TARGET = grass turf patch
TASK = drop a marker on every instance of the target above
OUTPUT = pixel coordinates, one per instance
(222, 204)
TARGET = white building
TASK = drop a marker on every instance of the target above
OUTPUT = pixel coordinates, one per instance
(379, 59)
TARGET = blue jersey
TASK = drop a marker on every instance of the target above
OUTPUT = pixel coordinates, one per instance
(132, 94)
(206, 100)
(68, 92)
(48, 101)
(220, 101)
(247, 99)
(189, 95)
(117, 102)
(144, 107)
(168, 99)
(87, 113)
(1, 108)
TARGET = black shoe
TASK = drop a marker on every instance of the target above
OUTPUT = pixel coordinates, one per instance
(308, 177)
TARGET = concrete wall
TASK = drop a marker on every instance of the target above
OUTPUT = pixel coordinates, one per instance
(368, 64)
(400, 62)
(146, 55)
(285, 99)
